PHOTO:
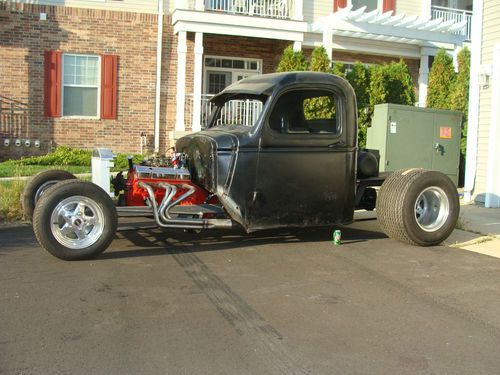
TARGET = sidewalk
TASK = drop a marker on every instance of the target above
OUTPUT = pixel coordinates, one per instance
(478, 230)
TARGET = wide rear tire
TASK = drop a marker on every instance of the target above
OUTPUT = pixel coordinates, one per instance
(38, 185)
(75, 220)
(418, 206)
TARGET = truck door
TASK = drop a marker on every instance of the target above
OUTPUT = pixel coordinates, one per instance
(305, 169)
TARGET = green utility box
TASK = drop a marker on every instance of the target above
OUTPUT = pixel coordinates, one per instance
(413, 137)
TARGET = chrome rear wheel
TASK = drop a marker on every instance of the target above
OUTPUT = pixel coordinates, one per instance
(432, 209)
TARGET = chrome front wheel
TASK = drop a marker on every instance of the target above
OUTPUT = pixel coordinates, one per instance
(77, 222)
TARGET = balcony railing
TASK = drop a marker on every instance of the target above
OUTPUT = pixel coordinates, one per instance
(457, 15)
(235, 112)
(13, 118)
(283, 9)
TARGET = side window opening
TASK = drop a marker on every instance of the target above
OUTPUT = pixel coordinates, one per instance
(306, 112)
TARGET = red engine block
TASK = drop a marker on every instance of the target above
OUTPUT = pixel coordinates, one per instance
(136, 196)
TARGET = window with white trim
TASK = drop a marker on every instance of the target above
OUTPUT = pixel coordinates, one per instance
(370, 4)
(221, 71)
(80, 96)
(349, 65)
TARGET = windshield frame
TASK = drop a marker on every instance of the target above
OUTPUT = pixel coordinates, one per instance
(220, 102)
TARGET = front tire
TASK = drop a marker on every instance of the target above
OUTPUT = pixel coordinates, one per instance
(75, 220)
(418, 206)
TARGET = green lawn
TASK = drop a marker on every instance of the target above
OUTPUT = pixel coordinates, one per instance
(11, 169)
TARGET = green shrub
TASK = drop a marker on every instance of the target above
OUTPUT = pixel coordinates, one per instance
(459, 93)
(359, 78)
(391, 83)
(320, 61)
(321, 107)
(63, 155)
(339, 69)
(121, 161)
(441, 79)
(67, 156)
(292, 61)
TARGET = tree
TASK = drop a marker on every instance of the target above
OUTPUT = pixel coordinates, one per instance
(292, 61)
(459, 93)
(339, 69)
(321, 107)
(359, 78)
(320, 62)
(391, 83)
(459, 101)
(441, 79)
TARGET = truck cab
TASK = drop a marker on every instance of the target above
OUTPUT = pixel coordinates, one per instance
(280, 150)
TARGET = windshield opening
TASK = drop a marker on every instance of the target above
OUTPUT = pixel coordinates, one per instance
(242, 110)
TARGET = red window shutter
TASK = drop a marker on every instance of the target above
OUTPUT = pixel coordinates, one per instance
(52, 84)
(389, 5)
(109, 80)
(339, 4)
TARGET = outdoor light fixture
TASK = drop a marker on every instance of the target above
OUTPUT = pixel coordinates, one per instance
(27, 143)
(17, 142)
(37, 143)
(6, 142)
(484, 76)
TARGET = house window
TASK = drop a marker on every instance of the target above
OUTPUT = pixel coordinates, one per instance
(220, 72)
(349, 65)
(80, 85)
(370, 4)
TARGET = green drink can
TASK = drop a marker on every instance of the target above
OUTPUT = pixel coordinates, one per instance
(337, 235)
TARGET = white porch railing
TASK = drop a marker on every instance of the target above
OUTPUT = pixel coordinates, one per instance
(235, 112)
(264, 8)
(457, 15)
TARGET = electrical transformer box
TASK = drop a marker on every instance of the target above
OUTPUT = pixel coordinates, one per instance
(413, 137)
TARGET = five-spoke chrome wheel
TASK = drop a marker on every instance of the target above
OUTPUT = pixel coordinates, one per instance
(77, 222)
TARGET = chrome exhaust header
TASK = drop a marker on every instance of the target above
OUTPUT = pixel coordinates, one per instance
(163, 216)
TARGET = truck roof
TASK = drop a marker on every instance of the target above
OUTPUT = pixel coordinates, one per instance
(266, 84)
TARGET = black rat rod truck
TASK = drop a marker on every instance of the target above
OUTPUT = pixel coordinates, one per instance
(280, 150)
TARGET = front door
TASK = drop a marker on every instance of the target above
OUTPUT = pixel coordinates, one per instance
(305, 166)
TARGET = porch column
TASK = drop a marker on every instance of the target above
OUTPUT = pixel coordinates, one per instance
(297, 46)
(181, 80)
(328, 40)
(492, 197)
(181, 4)
(456, 50)
(423, 80)
(298, 13)
(198, 75)
(199, 5)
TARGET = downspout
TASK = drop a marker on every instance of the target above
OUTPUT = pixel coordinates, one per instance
(474, 94)
(158, 76)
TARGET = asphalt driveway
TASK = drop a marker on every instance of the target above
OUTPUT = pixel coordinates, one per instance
(280, 302)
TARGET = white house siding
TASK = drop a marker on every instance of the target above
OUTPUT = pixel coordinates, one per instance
(316, 9)
(140, 6)
(491, 36)
(409, 7)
